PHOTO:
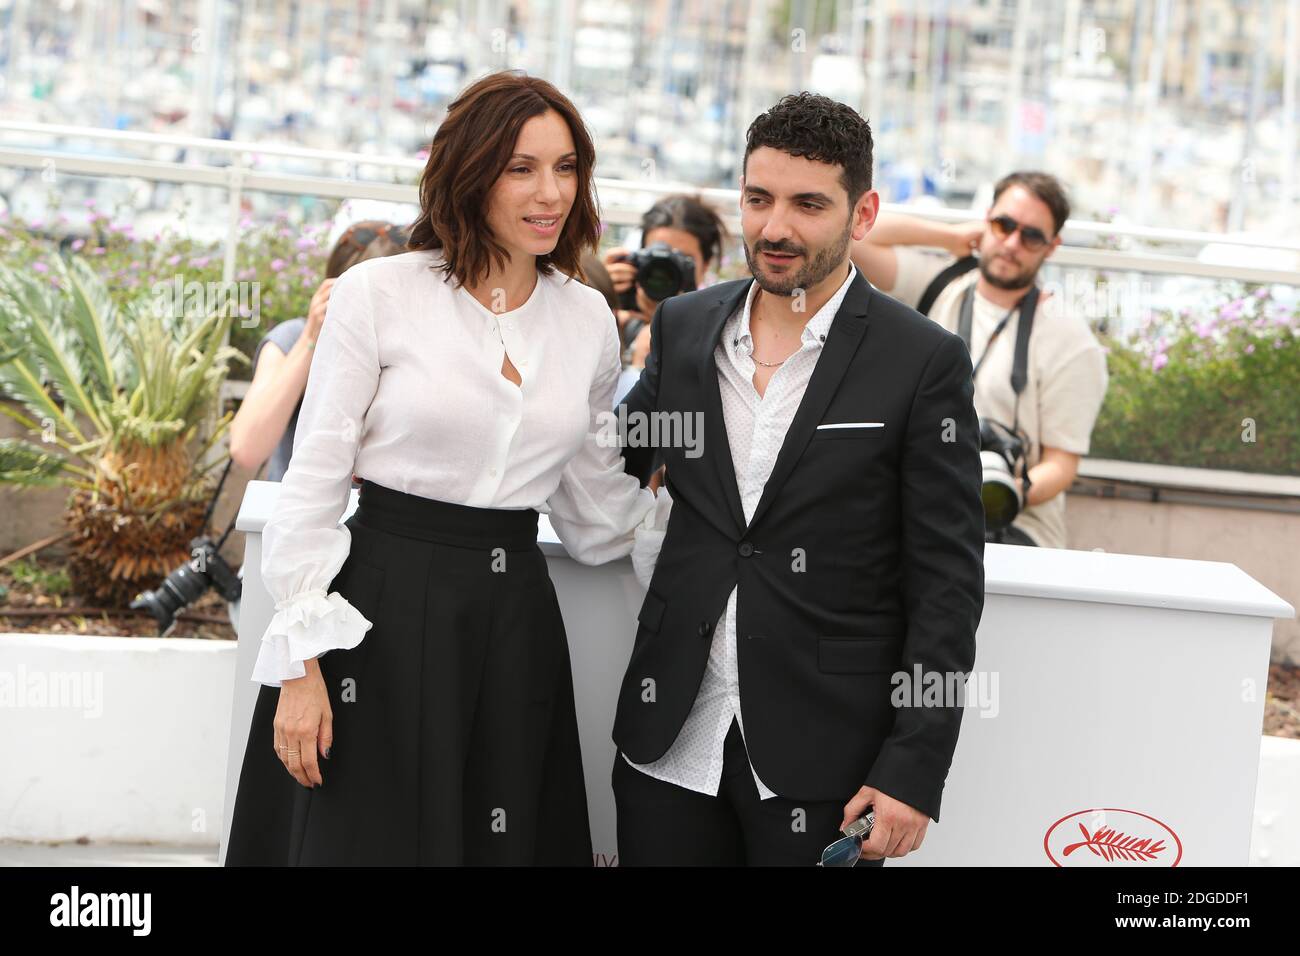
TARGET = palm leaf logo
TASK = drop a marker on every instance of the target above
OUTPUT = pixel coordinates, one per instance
(1110, 844)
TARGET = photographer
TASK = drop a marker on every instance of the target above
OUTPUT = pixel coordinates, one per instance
(1065, 373)
(689, 228)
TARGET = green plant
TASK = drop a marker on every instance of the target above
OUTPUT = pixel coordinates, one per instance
(29, 574)
(1212, 389)
(116, 396)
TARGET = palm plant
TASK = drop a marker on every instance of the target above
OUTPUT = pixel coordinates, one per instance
(117, 398)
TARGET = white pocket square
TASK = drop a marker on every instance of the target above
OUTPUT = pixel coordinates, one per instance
(852, 425)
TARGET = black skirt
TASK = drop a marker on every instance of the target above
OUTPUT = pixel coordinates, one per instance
(455, 734)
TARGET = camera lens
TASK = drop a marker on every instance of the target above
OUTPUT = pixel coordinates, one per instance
(660, 279)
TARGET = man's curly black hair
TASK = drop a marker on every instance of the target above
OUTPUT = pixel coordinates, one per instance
(817, 128)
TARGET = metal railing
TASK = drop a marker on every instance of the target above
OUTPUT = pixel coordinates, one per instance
(622, 200)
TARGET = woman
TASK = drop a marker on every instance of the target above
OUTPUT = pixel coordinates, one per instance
(425, 710)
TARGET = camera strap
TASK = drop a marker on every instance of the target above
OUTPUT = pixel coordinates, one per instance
(1027, 305)
(940, 282)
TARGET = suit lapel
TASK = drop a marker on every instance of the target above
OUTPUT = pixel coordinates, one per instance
(715, 425)
(841, 343)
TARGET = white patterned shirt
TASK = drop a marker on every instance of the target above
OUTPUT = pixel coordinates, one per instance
(756, 428)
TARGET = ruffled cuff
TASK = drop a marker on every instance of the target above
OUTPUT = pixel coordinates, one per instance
(648, 538)
(306, 626)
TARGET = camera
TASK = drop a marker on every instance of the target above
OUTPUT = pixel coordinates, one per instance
(206, 569)
(1002, 454)
(661, 271)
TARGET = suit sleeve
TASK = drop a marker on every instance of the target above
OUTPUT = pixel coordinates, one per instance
(643, 398)
(942, 574)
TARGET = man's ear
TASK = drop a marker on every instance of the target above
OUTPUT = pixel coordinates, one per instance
(1056, 243)
(865, 213)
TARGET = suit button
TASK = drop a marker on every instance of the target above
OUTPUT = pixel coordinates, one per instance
(705, 628)
(746, 549)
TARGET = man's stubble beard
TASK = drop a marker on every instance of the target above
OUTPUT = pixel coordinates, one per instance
(1022, 280)
(823, 264)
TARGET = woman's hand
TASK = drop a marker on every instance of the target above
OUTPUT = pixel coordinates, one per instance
(316, 312)
(304, 723)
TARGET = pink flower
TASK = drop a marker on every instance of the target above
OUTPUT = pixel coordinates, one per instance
(277, 265)
(77, 244)
(40, 267)
(1159, 362)
(200, 262)
(1249, 349)
(172, 260)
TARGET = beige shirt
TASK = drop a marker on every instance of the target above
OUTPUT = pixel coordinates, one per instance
(1067, 372)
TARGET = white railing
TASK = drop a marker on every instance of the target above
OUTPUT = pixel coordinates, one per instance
(622, 201)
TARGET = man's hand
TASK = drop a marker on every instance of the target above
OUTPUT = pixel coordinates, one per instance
(899, 828)
(964, 237)
(641, 347)
(657, 479)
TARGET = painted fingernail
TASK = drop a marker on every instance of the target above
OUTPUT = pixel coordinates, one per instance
(327, 753)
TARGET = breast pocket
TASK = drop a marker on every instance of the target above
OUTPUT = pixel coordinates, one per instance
(833, 430)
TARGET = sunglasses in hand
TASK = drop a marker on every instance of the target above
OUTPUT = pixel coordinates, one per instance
(847, 850)
(1031, 237)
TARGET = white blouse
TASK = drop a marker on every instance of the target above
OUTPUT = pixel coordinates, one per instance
(406, 390)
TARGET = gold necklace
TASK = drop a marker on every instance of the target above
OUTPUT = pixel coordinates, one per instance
(756, 316)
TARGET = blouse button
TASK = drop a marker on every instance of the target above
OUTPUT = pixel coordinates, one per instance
(492, 472)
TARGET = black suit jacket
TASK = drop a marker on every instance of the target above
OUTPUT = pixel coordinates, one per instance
(865, 555)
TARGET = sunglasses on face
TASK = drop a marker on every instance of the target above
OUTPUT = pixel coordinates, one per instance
(1031, 237)
(848, 850)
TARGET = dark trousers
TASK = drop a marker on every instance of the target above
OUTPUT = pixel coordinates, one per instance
(662, 824)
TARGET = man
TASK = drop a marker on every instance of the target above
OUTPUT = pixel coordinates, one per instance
(1066, 369)
(829, 535)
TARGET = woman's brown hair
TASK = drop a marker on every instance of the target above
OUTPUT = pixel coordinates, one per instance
(470, 150)
(371, 239)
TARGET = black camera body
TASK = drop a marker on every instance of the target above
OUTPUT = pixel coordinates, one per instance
(661, 271)
(206, 569)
